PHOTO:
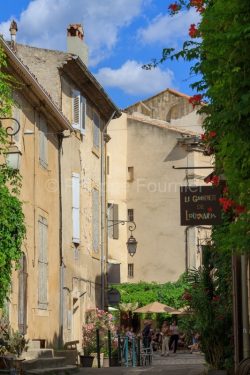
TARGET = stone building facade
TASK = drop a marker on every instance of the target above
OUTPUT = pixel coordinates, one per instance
(64, 194)
(149, 139)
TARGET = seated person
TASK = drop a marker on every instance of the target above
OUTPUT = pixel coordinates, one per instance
(195, 343)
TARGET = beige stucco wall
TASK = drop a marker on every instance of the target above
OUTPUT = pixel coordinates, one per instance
(153, 146)
(82, 271)
(117, 191)
(39, 194)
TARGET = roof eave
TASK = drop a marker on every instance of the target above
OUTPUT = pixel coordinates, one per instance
(39, 90)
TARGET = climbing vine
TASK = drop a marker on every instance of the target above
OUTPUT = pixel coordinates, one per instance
(12, 228)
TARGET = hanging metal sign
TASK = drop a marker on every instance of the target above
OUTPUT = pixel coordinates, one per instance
(200, 205)
(114, 296)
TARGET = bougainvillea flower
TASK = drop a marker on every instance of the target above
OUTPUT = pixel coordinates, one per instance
(215, 180)
(212, 134)
(195, 99)
(226, 203)
(174, 7)
(198, 4)
(193, 31)
(239, 209)
(216, 298)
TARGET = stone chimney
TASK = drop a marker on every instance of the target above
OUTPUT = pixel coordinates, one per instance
(13, 30)
(75, 42)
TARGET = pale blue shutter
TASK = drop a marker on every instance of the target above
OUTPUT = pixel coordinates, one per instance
(83, 117)
(75, 207)
(95, 220)
(43, 143)
(96, 130)
(76, 109)
(43, 264)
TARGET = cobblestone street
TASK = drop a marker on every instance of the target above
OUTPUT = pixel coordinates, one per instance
(182, 363)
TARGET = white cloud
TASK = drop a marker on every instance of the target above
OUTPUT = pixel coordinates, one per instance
(134, 80)
(44, 22)
(168, 30)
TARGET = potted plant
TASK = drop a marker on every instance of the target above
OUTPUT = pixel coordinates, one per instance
(96, 319)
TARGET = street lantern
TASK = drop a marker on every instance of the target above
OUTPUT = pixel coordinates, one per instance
(13, 155)
(131, 243)
(13, 158)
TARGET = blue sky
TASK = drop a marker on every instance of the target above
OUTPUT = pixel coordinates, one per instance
(121, 35)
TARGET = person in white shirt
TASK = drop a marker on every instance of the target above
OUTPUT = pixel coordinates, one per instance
(174, 336)
(165, 331)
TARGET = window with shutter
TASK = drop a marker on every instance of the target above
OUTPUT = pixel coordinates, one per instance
(113, 218)
(96, 130)
(43, 143)
(95, 220)
(131, 214)
(43, 264)
(76, 109)
(130, 270)
(76, 207)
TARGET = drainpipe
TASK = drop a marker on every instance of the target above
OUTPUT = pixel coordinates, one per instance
(186, 246)
(61, 265)
(245, 312)
(103, 212)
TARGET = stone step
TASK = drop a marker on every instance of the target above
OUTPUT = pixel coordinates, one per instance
(42, 363)
(37, 353)
(66, 370)
(71, 356)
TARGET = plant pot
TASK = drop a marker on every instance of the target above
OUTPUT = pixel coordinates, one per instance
(86, 360)
(105, 361)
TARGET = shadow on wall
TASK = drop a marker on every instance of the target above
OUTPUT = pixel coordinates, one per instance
(177, 153)
(98, 291)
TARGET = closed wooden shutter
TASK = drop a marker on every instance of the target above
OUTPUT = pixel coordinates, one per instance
(95, 220)
(76, 207)
(116, 225)
(43, 143)
(43, 263)
(96, 130)
(76, 109)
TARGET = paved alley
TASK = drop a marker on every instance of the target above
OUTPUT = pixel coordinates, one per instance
(182, 363)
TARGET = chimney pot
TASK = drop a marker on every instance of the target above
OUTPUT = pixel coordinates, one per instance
(75, 42)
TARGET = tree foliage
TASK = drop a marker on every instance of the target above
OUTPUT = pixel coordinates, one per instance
(144, 293)
(218, 47)
(209, 295)
(12, 228)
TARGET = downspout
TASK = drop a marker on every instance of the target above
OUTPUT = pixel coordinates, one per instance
(103, 212)
(61, 264)
(186, 246)
(245, 312)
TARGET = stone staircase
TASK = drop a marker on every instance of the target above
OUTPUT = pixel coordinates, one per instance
(48, 361)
